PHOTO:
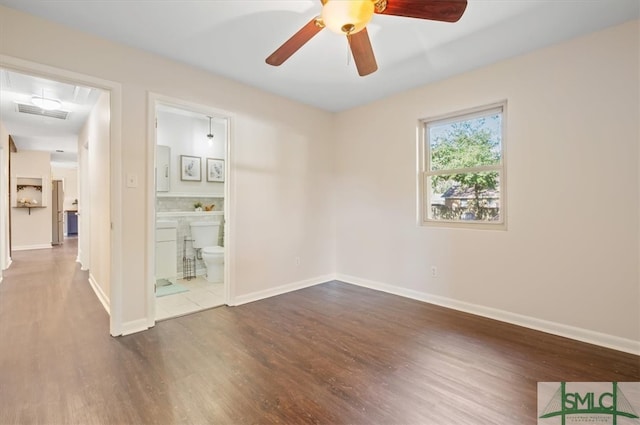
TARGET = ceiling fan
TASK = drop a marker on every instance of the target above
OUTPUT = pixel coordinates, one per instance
(350, 17)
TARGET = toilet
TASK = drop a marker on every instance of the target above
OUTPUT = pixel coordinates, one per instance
(205, 236)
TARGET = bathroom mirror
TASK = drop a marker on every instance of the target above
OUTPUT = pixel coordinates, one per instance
(163, 159)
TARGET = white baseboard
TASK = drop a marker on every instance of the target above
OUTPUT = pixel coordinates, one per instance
(134, 326)
(572, 332)
(28, 247)
(79, 260)
(279, 290)
(104, 299)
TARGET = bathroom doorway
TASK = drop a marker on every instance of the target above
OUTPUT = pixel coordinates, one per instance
(189, 255)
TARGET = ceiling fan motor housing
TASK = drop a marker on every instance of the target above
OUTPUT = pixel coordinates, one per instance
(347, 17)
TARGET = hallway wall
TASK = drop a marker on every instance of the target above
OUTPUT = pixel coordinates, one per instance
(32, 230)
(69, 176)
(4, 199)
(94, 204)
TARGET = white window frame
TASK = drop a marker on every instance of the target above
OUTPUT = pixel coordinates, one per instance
(424, 168)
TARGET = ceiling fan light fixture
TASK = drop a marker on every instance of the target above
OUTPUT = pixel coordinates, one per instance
(347, 16)
(46, 103)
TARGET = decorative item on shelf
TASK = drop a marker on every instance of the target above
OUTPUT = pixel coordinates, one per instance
(198, 206)
(209, 207)
(24, 202)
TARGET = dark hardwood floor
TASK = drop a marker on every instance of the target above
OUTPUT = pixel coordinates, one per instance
(330, 354)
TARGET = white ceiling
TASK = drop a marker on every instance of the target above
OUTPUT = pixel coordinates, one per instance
(43, 133)
(233, 38)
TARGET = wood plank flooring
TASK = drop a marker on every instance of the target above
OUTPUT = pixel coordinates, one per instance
(330, 354)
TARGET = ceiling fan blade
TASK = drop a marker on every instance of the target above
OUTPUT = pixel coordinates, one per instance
(298, 40)
(435, 10)
(362, 52)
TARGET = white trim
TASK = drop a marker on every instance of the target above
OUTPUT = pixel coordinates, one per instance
(28, 247)
(100, 293)
(150, 273)
(153, 100)
(115, 170)
(79, 261)
(424, 168)
(230, 197)
(134, 326)
(567, 331)
(279, 290)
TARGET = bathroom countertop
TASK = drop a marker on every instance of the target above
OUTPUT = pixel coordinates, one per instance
(188, 213)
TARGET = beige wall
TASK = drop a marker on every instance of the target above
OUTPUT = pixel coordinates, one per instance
(84, 201)
(4, 199)
(32, 230)
(572, 145)
(69, 177)
(282, 163)
(94, 208)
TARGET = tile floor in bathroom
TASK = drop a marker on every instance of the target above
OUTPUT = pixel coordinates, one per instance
(201, 295)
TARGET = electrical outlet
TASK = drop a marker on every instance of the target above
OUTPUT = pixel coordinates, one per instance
(434, 271)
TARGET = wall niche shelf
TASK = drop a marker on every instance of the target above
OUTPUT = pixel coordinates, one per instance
(29, 207)
(30, 192)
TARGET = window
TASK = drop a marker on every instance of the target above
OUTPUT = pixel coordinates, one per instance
(462, 173)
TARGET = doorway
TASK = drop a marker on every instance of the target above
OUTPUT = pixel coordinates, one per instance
(189, 265)
(105, 268)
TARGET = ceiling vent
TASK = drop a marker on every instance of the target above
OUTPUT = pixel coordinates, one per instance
(35, 110)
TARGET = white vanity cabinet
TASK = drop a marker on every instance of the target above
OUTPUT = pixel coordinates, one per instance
(166, 250)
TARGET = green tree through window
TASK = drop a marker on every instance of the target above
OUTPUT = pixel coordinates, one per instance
(463, 167)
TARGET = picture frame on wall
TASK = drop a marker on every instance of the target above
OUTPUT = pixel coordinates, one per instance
(190, 168)
(215, 170)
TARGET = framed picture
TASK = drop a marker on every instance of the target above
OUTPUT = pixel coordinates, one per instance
(190, 168)
(215, 170)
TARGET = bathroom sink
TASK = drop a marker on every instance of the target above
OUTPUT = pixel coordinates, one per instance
(166, 224)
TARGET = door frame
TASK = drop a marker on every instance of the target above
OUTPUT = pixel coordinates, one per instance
(155, 99)
(115, 168)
